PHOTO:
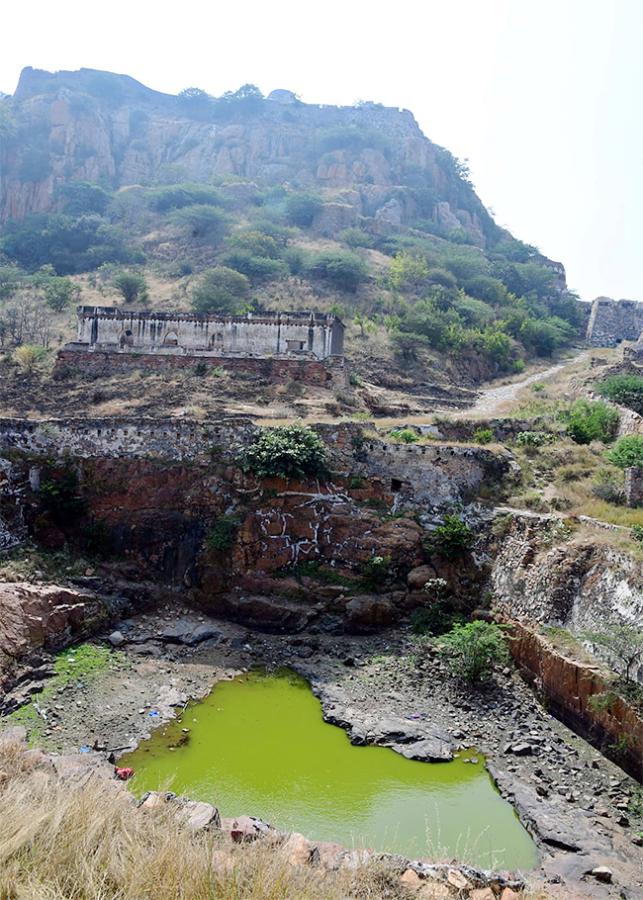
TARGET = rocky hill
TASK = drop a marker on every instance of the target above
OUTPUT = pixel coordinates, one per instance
(250, 202)
(97, 127)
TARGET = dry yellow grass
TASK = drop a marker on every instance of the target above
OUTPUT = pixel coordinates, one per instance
(60, 841)
(87, 840)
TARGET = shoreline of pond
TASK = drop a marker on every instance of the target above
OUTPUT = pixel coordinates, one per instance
(359, 680)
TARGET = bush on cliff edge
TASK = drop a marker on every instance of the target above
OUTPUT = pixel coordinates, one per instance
(287, 451)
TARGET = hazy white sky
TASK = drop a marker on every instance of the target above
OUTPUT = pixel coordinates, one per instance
(544, 97)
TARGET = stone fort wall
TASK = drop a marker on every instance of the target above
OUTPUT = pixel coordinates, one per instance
(330, 373)
(613, 321)
(432, 475)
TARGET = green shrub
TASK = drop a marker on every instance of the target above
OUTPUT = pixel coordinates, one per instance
(255, 242)
(289, 451)
(451, 539)
(221, 290)
(534, 439)
(131, 286)
(607, 485)
(69, 243)
(223, 533)
(405, 435)
(301, 208)
(81, 197)
(623, 644)
(59, 293)
(178, 196)
(637, 533)
(588, 421)
(257, 268)
(472, 650)
(203, 222)
(483, 436)
(624, 389)
(355, 237)
(436, 618)
(376, 570)
(27, 356)
(408, 272)
(342, 269)
(60, 496)
(627, 452)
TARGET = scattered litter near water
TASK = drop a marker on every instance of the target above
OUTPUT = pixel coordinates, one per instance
(124, 774)
(154, 714)
(85, 749)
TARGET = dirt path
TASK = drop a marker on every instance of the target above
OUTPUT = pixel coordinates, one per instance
(492, 399)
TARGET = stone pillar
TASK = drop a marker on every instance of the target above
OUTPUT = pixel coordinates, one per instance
(634, 486)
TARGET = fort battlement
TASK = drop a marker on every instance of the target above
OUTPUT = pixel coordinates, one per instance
(613, 321)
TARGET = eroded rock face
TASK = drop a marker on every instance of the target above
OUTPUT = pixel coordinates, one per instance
(545, 574)
(36, 616)
(104, 128)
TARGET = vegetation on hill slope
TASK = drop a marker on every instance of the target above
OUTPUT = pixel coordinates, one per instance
(370, 221)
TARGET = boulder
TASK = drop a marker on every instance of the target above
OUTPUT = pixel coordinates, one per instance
(333, 218)
(430, 749)
(602, 873)
(185, 631)
(298, 850)
(246, 828)
(410, 879)
(369, 612)
(116, 638)
(273, 614)
(484, 893)
(199, 816)
(203, 633)
(418, 577)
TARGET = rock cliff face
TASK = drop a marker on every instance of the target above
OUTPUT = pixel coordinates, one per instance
(99, 127)
(543, 576)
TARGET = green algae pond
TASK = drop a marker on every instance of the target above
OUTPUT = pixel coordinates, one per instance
(258, 745)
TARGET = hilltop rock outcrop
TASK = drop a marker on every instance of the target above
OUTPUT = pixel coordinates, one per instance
(99, 127)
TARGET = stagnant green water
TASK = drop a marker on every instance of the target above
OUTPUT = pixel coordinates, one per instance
(258, 745)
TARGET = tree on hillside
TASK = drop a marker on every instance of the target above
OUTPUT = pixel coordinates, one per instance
(221, 290)
(131, 286)
(59, 293)
(205, 222)
(623, 643)
(301, 209)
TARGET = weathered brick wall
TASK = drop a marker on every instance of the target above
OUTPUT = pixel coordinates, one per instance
(105, 364)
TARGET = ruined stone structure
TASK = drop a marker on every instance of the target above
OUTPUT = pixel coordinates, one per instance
(613, 321)
(313, 335)
(306, 346)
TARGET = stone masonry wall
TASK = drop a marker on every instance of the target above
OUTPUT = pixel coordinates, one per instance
(431, 476)
(104, 364)
(613, 321)
(634, 486)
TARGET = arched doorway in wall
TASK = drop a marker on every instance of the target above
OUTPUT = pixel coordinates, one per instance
(126, 339)
(171, 339)
(216, 341)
